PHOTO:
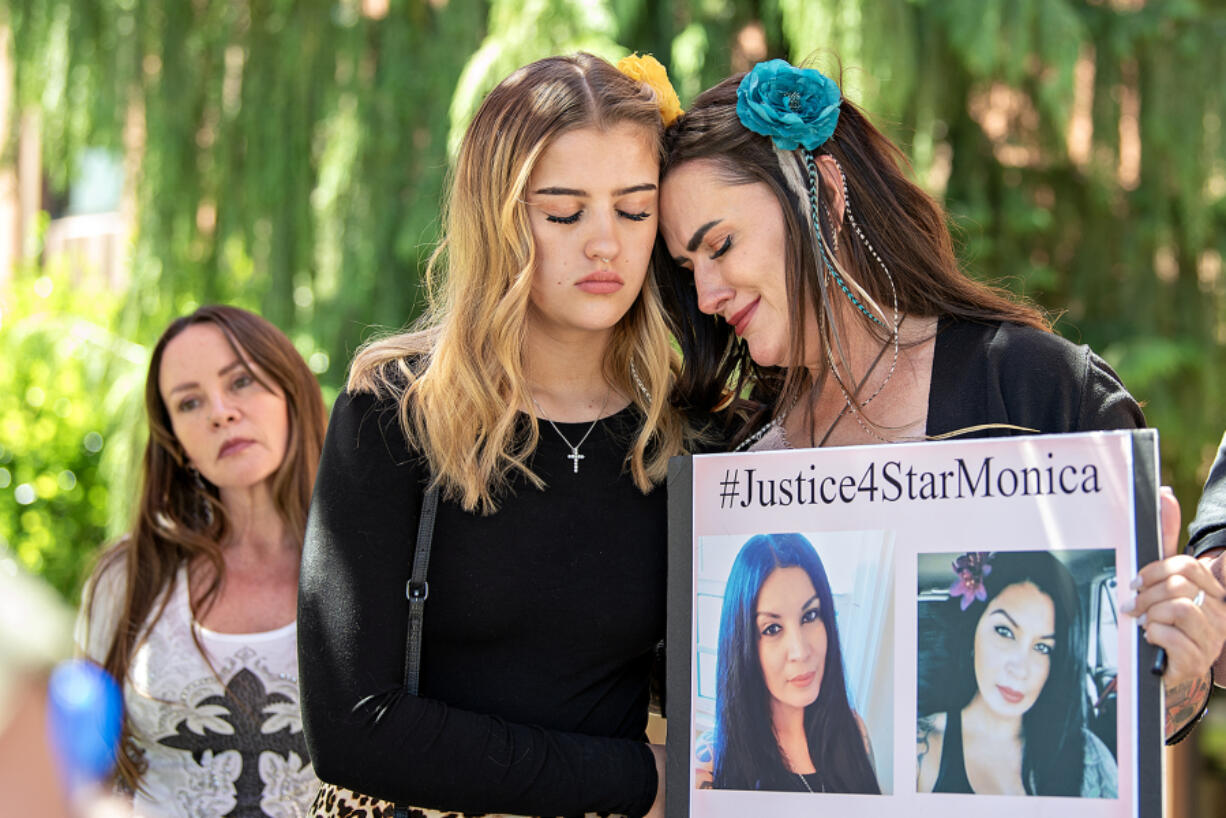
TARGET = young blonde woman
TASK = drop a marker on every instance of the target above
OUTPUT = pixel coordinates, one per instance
(535, 399)
(193, 611)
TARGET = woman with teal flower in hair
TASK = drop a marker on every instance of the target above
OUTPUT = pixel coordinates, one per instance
(843, 317)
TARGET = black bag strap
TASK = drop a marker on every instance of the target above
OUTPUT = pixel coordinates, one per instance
(418, 590)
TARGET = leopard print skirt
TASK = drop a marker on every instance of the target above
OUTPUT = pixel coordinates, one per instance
(338, 802)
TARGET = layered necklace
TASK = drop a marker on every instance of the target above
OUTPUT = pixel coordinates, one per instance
(779, 421)
(574, 455)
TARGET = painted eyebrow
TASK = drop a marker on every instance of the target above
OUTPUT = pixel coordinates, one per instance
(696, 239)
(237, 362)
(808, 604)
(1003, 613)
(571, 191)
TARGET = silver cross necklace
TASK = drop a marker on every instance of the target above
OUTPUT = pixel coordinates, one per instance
(574, 455)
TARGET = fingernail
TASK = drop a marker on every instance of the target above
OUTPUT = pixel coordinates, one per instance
(1136, 584)
(1128, 605)
(1142, 620)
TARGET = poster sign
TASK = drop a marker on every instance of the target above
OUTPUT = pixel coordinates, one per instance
(895, 630)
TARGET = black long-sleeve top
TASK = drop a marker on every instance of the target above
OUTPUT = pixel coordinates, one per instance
(992, 372)
(539, 627)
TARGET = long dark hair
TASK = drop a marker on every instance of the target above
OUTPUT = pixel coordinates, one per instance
(1053, 752)
(179, 518)
(904, 224)
(747, 754)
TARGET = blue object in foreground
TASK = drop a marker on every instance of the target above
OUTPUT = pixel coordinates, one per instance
(84, 715)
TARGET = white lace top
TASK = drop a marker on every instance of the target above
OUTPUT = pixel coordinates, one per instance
(211, 750)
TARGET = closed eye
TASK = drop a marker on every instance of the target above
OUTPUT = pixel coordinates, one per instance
(578, 214)
(723, 248)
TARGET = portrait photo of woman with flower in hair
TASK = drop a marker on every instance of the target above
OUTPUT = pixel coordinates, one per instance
(1016, 673)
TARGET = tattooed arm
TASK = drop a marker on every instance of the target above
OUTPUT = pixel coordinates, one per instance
(1184, 702)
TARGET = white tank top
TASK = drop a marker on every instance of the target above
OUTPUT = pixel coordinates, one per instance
(211, 749)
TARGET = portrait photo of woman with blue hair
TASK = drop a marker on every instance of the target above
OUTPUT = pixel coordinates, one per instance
(783, 718)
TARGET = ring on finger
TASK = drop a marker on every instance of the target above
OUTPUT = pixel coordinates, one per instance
(1199, 599)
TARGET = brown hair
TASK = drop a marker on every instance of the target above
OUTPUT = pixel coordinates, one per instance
(180, 518)
(459, 378)
(905, 225)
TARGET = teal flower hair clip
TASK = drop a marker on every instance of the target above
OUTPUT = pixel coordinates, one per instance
(795, 107)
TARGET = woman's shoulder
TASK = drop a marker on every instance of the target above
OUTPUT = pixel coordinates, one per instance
(103, 602)
(930, 727)
(864, 736)
(1020, 349)
(1008, 342)
(364, 416)
(929, 741)
(1100, 778)
(1034, 378)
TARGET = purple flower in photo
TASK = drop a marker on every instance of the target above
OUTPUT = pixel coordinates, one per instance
(971, 568)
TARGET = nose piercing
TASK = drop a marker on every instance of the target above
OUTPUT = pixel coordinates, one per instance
(602, 258)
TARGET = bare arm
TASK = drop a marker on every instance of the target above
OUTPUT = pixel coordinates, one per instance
(929, 734)
(868, 742)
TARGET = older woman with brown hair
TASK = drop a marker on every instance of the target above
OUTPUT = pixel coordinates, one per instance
(194, 609)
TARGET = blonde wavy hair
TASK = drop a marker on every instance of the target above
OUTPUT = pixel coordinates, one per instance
(459, 375)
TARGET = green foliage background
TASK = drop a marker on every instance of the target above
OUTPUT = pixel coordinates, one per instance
(292, 152)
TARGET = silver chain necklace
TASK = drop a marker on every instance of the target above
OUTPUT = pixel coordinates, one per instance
(574, 455)
(805, 781)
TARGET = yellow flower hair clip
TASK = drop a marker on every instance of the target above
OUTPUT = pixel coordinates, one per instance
(648, 70)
